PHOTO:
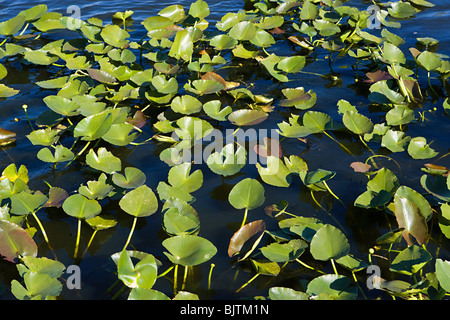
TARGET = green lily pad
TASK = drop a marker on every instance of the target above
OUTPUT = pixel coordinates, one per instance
(329, 243)
(212, 109)
(228, 161)
(43, 137)
(115, 36)
(183, 46)
(12, 26)
(186, 104)
(96, 189)
(132, 178)
(61, 154)
(244, 30)
(443, 273)
(410, 260)
(248, 194)
(357, 123)
(93, 127)
(24, 203)
(419, 149)
(399, 115)
(276, 173)
(189, 250)
(282, 293)
(61, 105)
(119, 134)
(141, 275)
(332, 287)
(140, 202)
(283, 252)
(223, 42)
(316, 121)
(103, 160)
(80, 207)
(393, 54)
(247, 117)
(429, 61)
(395, 141)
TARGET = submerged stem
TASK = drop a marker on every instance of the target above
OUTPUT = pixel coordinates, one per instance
(43, 231)
(90, 242)
(248, 282)
(308, 266)
(329, 190)
(340, 144)
(334, 266)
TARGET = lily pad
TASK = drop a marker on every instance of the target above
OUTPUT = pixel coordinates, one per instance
(189, 250)
(410, 260)
(419, 149)
(329, 243)
(248, 194)
(140, 202)
(15, 241)
(247, 117)
(80, 207)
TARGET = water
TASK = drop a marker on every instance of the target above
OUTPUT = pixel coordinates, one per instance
(218, 219)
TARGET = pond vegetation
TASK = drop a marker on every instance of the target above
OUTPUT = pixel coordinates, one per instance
(108, 92)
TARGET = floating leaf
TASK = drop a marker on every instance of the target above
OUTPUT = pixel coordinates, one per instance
(186, 104)
(6, 137)
(281, 293)
(393, 54)
(15, 241)
(62, 154)
(429, 61)
(377, 76)
(141, 275)
(329, 243)
(443, 273)
(212, 109)
(6, 92)
(332, 287)
(104, 161)
(115, 36)
(283, 252)
(102, 76)
(419, 149)
(399, 115)
(276, 173)
(12, 26)
(395, 141)
(24, 203)
(410, 260)
(298, 98)
(409, 217)
(247, 193)
(357, 123)
(189, 250)
(247, 117)
(183, 46)
(140, 202)
(437, 186)
(93, 127)
(244, 233)
(96, 189)
(360, 166)
(132, 178)
(228, 161)
(317, 122)
(80, 207)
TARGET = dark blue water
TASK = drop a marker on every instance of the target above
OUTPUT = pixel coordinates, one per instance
(218, 219)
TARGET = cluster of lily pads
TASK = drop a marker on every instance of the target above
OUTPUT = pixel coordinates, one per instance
(109, 91)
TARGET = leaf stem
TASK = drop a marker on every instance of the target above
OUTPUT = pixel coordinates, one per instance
(329, 190)
(248, 282)
(340, 144)
(210, 274)
(43, 231)
(245, 217)
(130, 234)
(184, 277)
(90, 242)
(308, 266)
(334, 266)
(175, 280)
(77, 243)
